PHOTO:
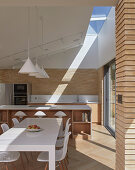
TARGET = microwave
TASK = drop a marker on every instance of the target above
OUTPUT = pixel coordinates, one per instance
(20, 89)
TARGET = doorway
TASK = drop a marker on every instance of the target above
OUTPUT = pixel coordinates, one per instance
(110, 96)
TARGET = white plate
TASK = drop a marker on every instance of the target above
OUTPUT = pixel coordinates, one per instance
(33, 130)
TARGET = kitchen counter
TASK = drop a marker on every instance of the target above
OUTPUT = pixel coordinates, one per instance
(74, 112)
(45, 107)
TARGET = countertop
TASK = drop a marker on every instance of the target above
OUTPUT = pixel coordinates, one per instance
(83, 102)
(45, 107)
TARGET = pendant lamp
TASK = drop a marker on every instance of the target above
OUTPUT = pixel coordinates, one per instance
(41, 72)
(28, 66)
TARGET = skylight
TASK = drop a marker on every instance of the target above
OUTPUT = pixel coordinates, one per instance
(98, 18)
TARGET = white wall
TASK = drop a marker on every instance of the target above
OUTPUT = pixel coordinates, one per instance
(106, 40)
(90, 60)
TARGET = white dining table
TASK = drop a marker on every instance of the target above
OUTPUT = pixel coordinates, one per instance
(19, 139)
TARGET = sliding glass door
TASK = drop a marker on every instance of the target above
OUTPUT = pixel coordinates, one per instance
(109, 97)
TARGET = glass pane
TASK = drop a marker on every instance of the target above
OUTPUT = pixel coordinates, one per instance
(112, 96)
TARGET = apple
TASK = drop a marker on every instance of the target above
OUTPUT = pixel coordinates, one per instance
(34, 126)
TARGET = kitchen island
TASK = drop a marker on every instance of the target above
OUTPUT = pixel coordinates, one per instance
(79, 127)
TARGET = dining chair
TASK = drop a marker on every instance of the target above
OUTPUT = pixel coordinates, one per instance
(61, 134)
(60, 114)
(4, 127)
(60, 155)
(9, 157)
(20, 114)
(15, 121)
(40, 114)
(60, 141)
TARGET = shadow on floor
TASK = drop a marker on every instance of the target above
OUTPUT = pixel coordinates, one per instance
(103, 146)
(80, 161)
(101, 132)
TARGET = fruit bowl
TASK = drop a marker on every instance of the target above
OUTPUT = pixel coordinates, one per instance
(33, 128)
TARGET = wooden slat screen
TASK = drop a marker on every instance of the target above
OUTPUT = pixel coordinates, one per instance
(125, 82)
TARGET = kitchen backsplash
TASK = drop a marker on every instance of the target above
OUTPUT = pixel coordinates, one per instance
(63, 99)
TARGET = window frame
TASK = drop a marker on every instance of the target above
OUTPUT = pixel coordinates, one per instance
(106, 96)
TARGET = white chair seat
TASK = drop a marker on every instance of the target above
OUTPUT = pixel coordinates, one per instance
(40, 114)
(44, 156)
(9, 156)
(60, 114)
(20, 114)
(60, 143)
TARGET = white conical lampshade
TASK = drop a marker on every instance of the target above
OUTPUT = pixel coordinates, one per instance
(38, 71)
(39, 74)
(43, 73)
(28, 67)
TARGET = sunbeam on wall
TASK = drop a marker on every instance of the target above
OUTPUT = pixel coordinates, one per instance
(88, 42)
(58, 92)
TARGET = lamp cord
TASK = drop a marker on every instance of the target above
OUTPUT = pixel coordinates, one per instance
(28, 32)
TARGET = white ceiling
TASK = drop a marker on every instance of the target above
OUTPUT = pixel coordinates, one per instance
(65, 28)
(58, 2)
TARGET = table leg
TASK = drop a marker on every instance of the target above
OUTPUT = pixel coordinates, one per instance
(52, 158)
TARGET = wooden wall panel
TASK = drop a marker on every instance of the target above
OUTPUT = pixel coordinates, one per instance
(125, 85)
(83, 81)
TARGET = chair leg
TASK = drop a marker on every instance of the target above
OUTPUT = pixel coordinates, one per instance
(46, 166)
(66, 165)
(26, 156)
(3, 166)
(6, 166)
(31, 155)
(14, 166)
(22, 161)
(60, 165)
(67, 159)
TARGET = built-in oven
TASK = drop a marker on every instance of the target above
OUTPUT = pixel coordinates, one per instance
(20, 100)
(20, 89)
